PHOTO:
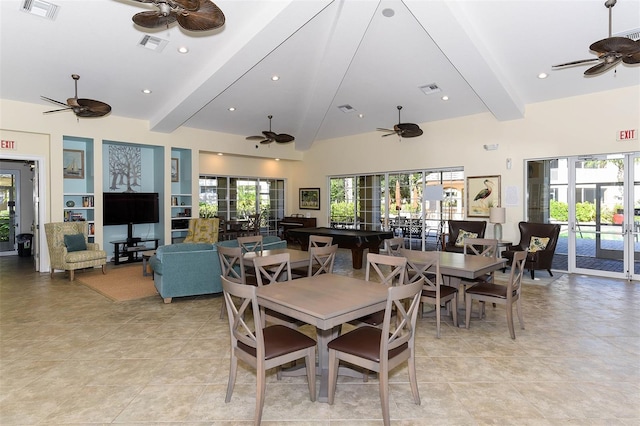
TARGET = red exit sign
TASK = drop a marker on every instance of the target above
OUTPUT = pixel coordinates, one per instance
(627, 135)
(7, 144)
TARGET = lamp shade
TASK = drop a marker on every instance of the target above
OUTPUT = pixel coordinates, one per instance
(497, 215)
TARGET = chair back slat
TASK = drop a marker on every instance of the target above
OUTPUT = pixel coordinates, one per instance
(322, 259)
(398, 266)
(319, 241)
(393, 245)
(270, 269)
(404, 301)
(251, 243)
(232, 263)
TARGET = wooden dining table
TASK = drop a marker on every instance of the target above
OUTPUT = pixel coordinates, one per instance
(454, 267)
(325, 301)
(297, 258)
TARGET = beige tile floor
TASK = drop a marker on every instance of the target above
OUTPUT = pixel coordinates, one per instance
(71, 356)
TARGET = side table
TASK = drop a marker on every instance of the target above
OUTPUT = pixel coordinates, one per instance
(146, 268)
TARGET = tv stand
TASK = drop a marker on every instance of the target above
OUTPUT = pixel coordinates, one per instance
(126, 251)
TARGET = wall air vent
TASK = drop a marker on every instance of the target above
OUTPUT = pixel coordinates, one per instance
(429, 89)
(40, 8)
(153, 43)
(632, 34)
(346, 108)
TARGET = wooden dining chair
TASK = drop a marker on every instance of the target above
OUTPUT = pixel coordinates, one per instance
(252, 243)
(392, 245)
(319, 241)
(382, 349)
(481, 247)
(486, 292)
(261, 347)
(433, 292)
(271, 269)
(321, 261)
(389, 271)
(233, 268)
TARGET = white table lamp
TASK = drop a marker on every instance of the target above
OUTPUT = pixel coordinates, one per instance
(497, 216)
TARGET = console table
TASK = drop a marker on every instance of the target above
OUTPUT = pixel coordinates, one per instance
(129, 249)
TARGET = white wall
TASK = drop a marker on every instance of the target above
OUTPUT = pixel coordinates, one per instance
(580, 125)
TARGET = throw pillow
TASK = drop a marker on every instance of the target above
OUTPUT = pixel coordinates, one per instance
(75, 242)
(538, 244)
(462, 234)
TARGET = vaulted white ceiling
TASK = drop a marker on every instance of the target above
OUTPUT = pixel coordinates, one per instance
(372, 55)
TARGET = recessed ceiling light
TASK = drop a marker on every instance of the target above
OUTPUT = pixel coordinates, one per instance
(275, 78)
(445, 98)
(543, 75)
(277, 159)
(183, 49)
(146, 91)
(388, 12)
(360, 115)
(232, 109)
(220, 153)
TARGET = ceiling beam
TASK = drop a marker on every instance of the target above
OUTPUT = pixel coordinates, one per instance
(225, 69)
(450, 29)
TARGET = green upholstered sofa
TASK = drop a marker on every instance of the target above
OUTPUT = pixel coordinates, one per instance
(191, 269)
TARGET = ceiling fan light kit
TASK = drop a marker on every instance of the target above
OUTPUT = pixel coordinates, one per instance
(611, 51)
(192, 15)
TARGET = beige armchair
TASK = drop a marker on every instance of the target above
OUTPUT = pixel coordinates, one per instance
(88, 255)
(203, 230)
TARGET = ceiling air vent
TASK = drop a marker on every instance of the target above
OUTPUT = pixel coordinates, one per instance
(40, 8)
(429, 89)
(346, 108)
(632, 34)
(153, 43)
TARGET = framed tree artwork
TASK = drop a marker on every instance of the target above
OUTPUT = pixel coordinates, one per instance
(483, 192)
(310, 198)
(73, 163)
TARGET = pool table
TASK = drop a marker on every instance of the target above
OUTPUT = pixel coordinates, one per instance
(353, 239)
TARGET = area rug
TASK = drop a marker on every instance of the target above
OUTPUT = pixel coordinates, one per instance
(120, 283)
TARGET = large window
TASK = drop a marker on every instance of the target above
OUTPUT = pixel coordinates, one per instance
(415, 204)
(238, 197)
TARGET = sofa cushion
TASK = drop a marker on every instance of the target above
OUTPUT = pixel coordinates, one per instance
(538, 244)
(75, 242)
(462, 234)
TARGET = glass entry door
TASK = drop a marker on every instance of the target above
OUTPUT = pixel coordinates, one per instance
(602, 215)
(8, 193)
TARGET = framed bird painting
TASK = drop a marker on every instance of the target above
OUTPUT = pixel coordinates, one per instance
(483, 192)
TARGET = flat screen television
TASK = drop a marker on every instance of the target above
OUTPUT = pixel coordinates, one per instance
(129, 208)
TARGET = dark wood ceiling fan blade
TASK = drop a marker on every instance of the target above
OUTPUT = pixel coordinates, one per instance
(632, 59)
(602, 67)
(389, 134)
(411, 133)
(153, 19)
(581, 61)
(266, 141)
(207, 17)
(92, 108)
(54, 101)
(254, 138)
(284, 138)
(188, 4)
(622, 45)
(408, 127)
(269, 134)
(57, 110)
